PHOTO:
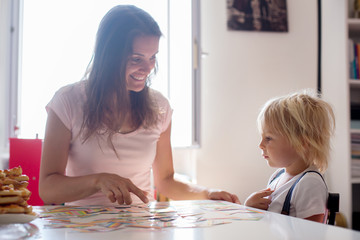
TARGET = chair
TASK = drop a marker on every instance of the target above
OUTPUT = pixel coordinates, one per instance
(333, 203)
(333, 207)
(27, 154)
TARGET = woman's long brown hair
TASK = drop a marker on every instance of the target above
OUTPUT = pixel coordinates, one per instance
(108, 100)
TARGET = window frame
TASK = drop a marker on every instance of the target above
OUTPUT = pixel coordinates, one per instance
(196, 72)
(12, 36)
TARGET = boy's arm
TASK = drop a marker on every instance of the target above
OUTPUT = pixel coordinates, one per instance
(316, 218)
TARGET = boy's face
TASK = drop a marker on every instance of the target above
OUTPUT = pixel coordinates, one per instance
(277, 150)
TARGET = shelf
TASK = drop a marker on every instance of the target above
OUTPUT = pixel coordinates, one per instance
(354, 131)
(354, 28)
(354, 83)
(355, 180)
(354, 24)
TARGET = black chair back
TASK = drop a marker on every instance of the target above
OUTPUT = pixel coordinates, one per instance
(333, 207)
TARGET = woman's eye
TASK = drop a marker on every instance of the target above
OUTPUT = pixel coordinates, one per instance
(135, 60)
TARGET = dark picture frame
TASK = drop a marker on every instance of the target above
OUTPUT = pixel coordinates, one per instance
(257, 15)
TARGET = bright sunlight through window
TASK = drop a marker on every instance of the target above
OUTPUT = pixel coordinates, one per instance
(57, 43)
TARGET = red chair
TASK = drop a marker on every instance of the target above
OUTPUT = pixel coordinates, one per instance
(27, 154)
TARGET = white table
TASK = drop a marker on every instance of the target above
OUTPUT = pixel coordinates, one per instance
(270, 226)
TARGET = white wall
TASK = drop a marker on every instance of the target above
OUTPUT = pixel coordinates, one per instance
(242, 70)
(336, 91)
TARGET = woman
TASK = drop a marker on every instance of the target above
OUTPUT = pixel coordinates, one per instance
(106, 133)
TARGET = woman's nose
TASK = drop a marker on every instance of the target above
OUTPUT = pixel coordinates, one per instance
(147, 66)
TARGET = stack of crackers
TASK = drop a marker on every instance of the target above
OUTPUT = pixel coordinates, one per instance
(13, 192)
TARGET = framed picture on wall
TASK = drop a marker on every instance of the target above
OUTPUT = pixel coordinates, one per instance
(257, 15)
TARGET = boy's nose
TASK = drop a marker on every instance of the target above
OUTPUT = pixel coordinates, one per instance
(261, 146)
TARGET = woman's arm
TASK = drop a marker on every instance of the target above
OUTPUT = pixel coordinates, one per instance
(166, 184)
(55, 187)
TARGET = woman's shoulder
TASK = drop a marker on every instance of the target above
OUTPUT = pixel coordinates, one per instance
(160, 100)
(69, 96)
(76, 87)
(74, 92)
(157, 95)
(163, 107)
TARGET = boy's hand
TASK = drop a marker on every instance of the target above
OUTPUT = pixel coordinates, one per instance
(259, 199)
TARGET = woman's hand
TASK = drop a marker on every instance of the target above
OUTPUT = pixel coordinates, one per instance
(118, 189)
(259, 199)
(222, 195)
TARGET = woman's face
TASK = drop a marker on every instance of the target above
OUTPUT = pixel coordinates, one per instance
(141, 62)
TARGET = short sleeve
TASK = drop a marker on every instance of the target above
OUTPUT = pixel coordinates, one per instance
(63, 103)
(167, 115)
(311, 196)
(165, 110)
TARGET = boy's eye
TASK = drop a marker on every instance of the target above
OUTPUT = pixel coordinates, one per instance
(268, 139)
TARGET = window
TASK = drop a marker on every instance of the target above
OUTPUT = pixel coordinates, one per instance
(9, 56)
(57, 44)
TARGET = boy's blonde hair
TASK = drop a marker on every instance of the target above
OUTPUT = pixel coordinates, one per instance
(307, 121)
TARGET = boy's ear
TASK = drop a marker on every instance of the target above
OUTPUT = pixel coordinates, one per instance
(301, 146)
(304, 142)
(305, 147)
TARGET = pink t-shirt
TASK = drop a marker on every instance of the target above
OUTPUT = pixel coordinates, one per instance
(136, 150)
